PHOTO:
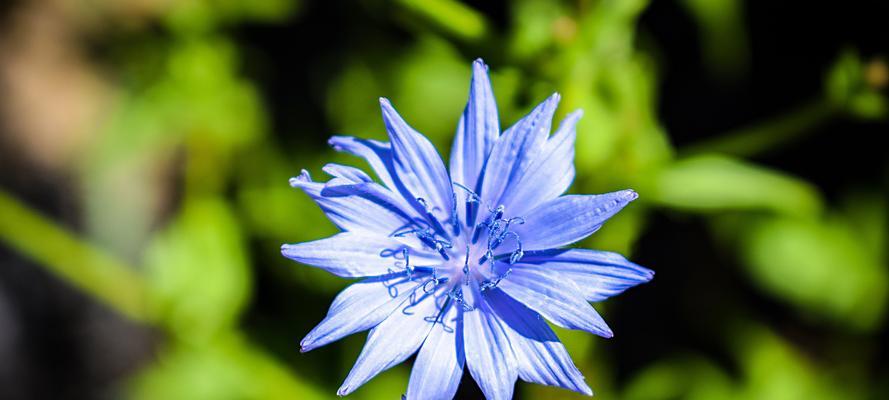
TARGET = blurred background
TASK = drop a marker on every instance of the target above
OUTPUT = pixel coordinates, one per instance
(145, 147)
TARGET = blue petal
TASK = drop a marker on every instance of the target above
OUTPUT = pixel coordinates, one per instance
(550, 173)
(439, 365)
(377, 154)
(373, 192)
(356, 254)
(359, 307)
(418, 166)
(477, 131)
(346, 172)
(598, 274)
(569, 219)
(541, 356)
(557, 299)
(354, 213)
(514, 150)
(393, 340)
(489, 356)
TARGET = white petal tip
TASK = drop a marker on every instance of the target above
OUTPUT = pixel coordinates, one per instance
(630, 195)
(303, 177)
(479, 65)
(345, 390)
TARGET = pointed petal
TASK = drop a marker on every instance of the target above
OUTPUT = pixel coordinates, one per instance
(597, 274)
(541, 356)
(477, 131)
(393, 340)
(377, 154)
(354, 213)
(371, 191)
(439, 365)
(346, 172)
(557, 299)
(569, 219)
(417, 164)
(489, 356)
(359, 307)
(514, 150)
(355, 254)
(550, 173)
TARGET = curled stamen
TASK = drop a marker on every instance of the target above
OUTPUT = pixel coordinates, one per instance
(473, 197)
(432, 219)
(407, 263)
(456, 294)
(492, 283)
(435, 281)
(439, 318)
(412, 302)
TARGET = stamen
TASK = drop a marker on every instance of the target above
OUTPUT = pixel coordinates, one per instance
(411, 303)
(472, 197)
(490, 284)
(456, 294)
(466, 261)
(439, 318)
(455, 222)
(432, 219)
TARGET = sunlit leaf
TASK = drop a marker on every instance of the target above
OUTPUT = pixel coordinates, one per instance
(820, 266)
(711, 183)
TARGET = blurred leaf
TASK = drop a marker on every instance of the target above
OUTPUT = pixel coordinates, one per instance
(536, 23)
(775, 370)
(224, 368)
(721, 31)
(848, 88)
(198, 270)
(432, 87)
(820, 266)
(451, 16)
(352, 101)
(711, 183)
(205, 15)
(868, 217)
(681, 377)
(197, 99)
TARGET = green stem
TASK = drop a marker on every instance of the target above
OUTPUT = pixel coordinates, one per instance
(767, 135)
(78, 263)
(119, 286)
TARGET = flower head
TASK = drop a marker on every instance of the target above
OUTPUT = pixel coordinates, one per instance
(459, 266)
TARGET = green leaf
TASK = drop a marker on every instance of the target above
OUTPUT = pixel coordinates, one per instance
(711, 183)
(822, 267)
(226, 367)
(774, 369)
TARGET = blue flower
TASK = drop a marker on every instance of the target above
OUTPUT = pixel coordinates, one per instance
(459, 266)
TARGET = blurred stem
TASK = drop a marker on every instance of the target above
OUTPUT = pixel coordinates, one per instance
(119, 286)
(72, 259)
(767, 135)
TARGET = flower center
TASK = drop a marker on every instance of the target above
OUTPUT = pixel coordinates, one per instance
(476, 247)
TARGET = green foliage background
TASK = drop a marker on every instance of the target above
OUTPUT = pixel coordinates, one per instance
(184, 199)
